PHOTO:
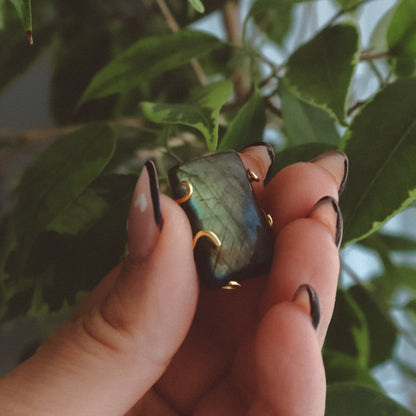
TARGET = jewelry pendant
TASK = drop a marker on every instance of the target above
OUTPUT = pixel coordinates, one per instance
(232, 236)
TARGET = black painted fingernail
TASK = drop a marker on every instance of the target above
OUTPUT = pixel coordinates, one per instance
(346, 170)
(307, 297)
(154, 191)
(145, 219)
(324, 210)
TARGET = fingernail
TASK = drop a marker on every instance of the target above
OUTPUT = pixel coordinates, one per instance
(270, 152)
(327, 211)
(306, 297)
(269, 147)
(337, 163)
(145, 219)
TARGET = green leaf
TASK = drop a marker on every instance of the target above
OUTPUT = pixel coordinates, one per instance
(382, 332)
(348, 332)
(62, 265)
(272, 17)
(381, 146)
(7, 245)
(247, 126)
(394, 278)
(390, 242)
(57, 178)
(148, 58)
(200, 113)
(15, 54)
(341, 367)
(349, 4)
(304, 123)
(401, 34)
(24, 11)
(410, 309)
(197, 5)
(404, 67)
(79, 214)
(301, 153)
(330, 68)
(347, 399)
(378, 39)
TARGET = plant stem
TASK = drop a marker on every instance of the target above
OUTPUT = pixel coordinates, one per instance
(270, 105)
(240, 77)
(377, 73)
(379, 55)
(355, 106)
(344, 11)
(174, 27)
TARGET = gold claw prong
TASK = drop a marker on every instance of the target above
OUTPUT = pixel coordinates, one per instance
(231, 285)
(252, 177)
(209, 234)
(189, 191)
(269, 218)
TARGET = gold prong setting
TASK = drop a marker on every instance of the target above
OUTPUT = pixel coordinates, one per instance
(189, 191)
(208, 234)
(252, 176)
(231, 285)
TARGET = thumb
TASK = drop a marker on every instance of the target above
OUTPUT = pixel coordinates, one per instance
(123, 338)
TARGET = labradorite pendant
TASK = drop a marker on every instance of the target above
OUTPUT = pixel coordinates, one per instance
(232, 237)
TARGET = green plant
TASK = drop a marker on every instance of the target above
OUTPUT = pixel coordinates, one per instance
(142, 85)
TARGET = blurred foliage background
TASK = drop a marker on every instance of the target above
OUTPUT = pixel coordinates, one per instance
(132, 80)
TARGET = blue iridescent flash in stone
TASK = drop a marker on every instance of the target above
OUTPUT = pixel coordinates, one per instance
(223, 202)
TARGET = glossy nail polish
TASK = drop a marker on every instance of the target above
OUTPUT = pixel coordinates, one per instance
(337, 163)
(145, 219)
(306, 297)
(327, 211)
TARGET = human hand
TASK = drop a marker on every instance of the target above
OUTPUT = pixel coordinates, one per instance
(148, 341)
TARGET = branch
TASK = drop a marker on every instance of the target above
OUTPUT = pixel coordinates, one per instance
(231, 22)
(346, 10)
(174, 27)
(240, 77)
(20, 138)
(355, 107)
(270, 105)
(380, 55)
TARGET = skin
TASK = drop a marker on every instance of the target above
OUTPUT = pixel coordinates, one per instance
(150, 341)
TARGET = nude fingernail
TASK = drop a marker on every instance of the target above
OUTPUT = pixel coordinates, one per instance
(145, 219)
(308, 299)
(327, 211)
(337, 163)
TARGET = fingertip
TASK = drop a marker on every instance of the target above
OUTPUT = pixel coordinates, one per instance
(337, 164)
(293, 192)
(289, 363)
(257, 159)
